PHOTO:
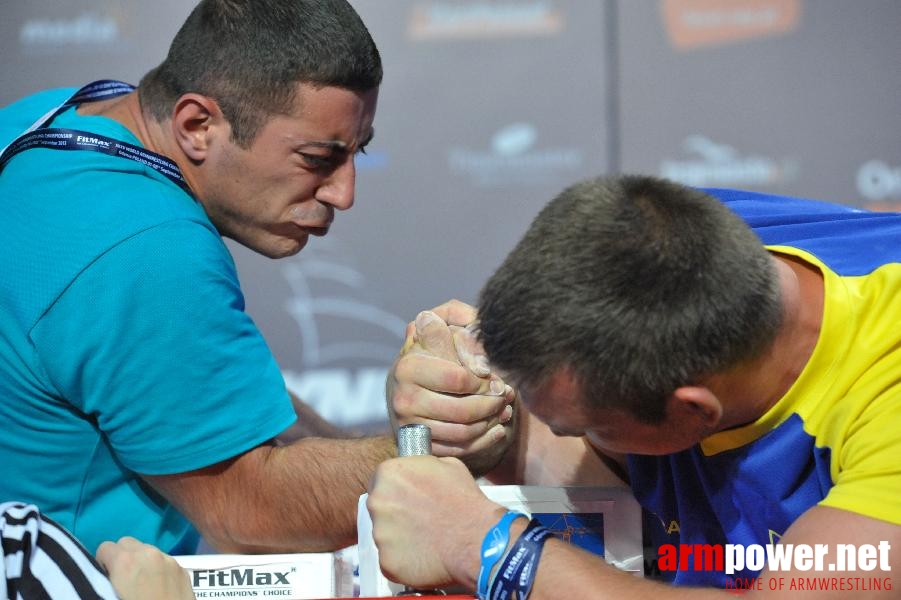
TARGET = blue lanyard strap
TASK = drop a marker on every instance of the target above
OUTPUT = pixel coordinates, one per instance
(41, 136)
(100, 90)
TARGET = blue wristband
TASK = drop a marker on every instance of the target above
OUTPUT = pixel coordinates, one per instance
(516, 575)
(493, 547)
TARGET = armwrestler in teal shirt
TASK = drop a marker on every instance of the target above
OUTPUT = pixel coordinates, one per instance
(136, 396)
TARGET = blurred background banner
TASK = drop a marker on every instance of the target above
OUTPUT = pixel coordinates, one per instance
(489, 108)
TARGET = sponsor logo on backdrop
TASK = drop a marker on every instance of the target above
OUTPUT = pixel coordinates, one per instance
(87, 30)
(344, 397)
(516, 157)
(694, 24)
(340, 329)
(719, 165)
(456, 19)
(879, 183)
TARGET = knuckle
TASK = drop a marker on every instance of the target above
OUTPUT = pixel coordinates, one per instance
(458, 380)
(405, 369)
(403, 404)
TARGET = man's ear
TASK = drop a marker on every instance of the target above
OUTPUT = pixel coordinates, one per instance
(697, 402)
(195, 120)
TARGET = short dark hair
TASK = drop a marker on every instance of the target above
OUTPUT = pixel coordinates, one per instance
(636, 286)
(249, 55)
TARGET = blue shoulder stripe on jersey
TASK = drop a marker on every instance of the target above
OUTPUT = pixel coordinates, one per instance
(849, 240)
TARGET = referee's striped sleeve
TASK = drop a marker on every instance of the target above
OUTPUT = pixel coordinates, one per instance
(42, 561)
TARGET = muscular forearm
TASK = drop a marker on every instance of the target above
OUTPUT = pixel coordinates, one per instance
(566, 571)
(296, 498)
(328, 477)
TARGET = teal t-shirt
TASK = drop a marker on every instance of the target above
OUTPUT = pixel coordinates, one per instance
(124, 345)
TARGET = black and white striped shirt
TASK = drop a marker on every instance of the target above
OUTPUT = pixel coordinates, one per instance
(42, 561)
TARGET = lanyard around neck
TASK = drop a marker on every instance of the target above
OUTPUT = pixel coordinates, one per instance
(55, 138)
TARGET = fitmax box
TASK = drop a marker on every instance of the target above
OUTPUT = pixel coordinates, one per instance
(603, 520)
(284, 576)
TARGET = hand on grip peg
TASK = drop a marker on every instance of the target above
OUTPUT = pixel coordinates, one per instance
(415, 439)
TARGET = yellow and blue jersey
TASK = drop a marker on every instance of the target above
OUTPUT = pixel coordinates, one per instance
(832, 439)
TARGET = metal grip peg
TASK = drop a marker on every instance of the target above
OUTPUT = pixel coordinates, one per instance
(414, 439)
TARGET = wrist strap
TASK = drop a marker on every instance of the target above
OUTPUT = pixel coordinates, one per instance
(493, 547)
(516, 575)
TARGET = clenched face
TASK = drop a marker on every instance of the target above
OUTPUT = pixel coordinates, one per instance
(557, 403)
(299, 169)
